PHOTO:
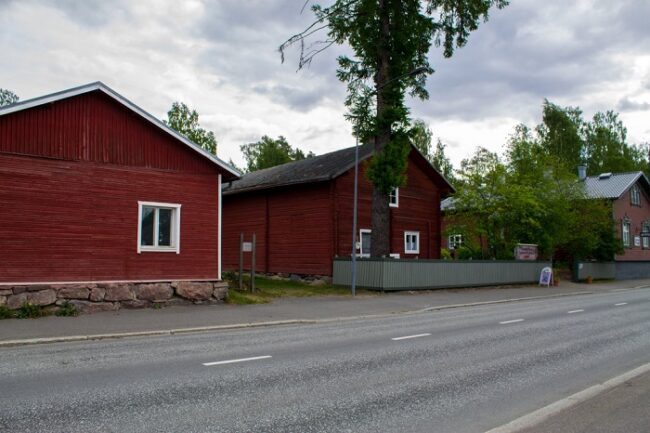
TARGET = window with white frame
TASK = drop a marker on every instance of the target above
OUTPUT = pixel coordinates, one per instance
(645, 235)
(364, 242)
(455, 241)
(625, 233)
(159, 227)
(635, 195)
(394, 198)
(412, 242)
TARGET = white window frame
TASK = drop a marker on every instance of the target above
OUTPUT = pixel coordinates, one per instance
(417, 243)
(454, 241)
(394, 193)
(176, 228)
(361, 232)
(626, 229)
(635, 195)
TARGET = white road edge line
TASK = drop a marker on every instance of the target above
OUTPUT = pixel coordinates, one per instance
(232, 361)
(410, 336)
(507, 322)
(574, 311)
(620, 303)
(537, 417)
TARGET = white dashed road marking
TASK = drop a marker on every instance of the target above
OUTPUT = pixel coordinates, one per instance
(410, 336)
(232, 361)
(507, 322)
(574, 311)
(620, 303)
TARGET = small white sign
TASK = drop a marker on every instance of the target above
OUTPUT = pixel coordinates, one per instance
(247, 247)
(637, 241)
(546, 277)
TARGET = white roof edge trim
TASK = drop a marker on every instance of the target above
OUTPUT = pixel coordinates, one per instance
(53, 97)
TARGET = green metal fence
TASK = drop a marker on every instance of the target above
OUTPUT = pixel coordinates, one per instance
(411, 274)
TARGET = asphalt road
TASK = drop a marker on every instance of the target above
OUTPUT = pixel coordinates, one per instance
(459, 370)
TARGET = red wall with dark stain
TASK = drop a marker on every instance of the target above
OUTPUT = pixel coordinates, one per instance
(418, 210)
(301, 228)
(71, 175)
(293, 228)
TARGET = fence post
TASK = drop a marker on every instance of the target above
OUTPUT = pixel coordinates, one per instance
(253, 266)
(241, 261)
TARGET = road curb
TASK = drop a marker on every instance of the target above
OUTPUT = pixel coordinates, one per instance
(537, 417)
(117, 335)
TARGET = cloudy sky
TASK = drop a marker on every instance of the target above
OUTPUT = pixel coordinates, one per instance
(220, 57)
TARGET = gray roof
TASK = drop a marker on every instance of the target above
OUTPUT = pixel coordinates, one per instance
(613, 185)
(230, 172)
(315, 169)
(448, 204)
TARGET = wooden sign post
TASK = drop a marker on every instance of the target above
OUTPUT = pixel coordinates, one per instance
(246, 247)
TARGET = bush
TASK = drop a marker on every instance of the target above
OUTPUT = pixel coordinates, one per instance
(30, 311)
(445, 254)
(67, 310)
(6, 313)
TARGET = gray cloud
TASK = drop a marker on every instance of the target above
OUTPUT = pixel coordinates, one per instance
(626, 104)
(300, 99)
(244, 40)
(526, 53)
(90, 13)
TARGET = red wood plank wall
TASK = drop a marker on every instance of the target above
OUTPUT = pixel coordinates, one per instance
(294, 232)
(75, 221)
(301, 228)
(419, 210)
(94, 127)
(70, 213)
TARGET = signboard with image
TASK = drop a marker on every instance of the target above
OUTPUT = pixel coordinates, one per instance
(526, 252)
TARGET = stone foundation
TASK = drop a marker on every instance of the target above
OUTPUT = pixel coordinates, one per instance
(93, 297)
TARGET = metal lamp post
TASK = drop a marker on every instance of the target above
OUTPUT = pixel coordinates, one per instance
(354, 215)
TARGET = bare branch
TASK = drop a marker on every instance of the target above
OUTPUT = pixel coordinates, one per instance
(310, 30)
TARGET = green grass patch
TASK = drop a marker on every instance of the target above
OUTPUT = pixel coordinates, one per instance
(267, 289)
(30, 311)
(6, 313)
(67, 310)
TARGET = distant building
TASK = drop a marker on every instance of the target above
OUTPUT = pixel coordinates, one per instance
(629, 194)
(301, 213)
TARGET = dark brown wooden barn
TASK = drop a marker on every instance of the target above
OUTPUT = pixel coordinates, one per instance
(93, 188)
(301, 213)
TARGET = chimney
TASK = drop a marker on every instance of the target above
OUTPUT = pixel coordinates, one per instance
(582, 172)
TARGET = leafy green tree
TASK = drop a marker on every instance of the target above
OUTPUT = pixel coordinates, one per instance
(7, 97)
(530, 197)
(422, 137)
(560, 134)
(607, 149)
(440, 161)
(390, 40)
(269, 152)
(601, 144)
(186, 121)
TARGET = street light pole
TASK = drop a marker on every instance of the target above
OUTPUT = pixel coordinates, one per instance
(354, 214)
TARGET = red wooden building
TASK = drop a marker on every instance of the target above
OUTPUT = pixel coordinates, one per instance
(93, 188)
(301, 213)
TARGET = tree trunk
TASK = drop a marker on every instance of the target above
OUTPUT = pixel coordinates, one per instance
(380, 236)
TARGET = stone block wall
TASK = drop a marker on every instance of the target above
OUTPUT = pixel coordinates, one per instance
(93, 297)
